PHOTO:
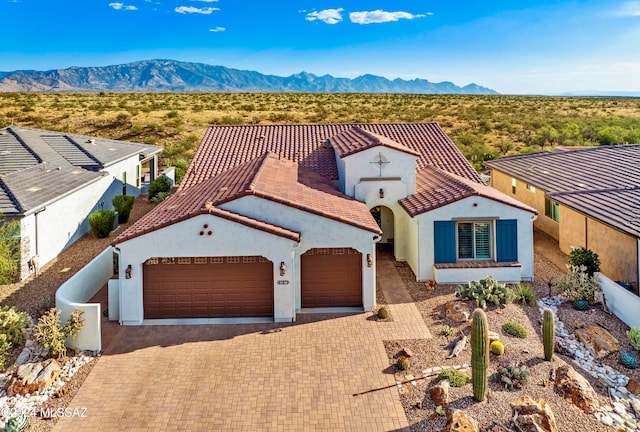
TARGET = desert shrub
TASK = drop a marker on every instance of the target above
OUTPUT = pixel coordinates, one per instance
(11, 324)
(160, 196)
(447, 330)
(101, 222)
(578, 285)
(181, 168)
(514, 329)
(52, 334)
(383, 312)
(634, 336)
(4, 347)
(456, 377)
(512, 376)
(485, 290)
(525, 294)
(159, 184)
(584, 257)
(9, 249)
(123, 204)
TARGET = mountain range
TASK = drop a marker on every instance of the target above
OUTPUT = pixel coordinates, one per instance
(175, 76)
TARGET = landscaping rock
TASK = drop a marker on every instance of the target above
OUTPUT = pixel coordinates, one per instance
(574, 387)
(633, 386)
(457, 311)
(459, 421)
(493, 336)
(34, 377)
(440, 393)
(530, 415)
(598, 341)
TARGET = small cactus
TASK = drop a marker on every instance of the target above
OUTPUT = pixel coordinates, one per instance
(17, 424)
(628, 360)
(548, 333)
(402, 363)
(497, 348)
(383, 312)
(581, 305)
(479, 354)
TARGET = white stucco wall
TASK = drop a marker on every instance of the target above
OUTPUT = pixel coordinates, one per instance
(476, 208)
(316, 232)
(620, 302)
(129, 166)
(183, 240)
(412, 243)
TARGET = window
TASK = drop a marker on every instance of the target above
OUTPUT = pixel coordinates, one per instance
(552, 209)
(513, 186)
(531, 188)
(474, 240)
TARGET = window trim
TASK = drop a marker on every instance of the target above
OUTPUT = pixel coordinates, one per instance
(514, 183)
(492, 239)
(531, 188)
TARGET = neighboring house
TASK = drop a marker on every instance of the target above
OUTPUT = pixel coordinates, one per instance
(52, 181)
(273, 219)
(587, 198)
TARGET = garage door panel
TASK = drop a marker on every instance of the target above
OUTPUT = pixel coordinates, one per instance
(221, 287)
(331, 278)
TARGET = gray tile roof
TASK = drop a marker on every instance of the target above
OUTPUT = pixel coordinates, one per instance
(38, 166)
(601, 182)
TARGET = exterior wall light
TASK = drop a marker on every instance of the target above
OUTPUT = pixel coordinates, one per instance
(370, 258)
(283, 269)
(127, 272)
(381, 193)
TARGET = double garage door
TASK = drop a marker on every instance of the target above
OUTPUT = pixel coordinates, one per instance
(227, 287)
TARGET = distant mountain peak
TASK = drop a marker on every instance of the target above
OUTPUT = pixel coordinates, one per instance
(172, 75)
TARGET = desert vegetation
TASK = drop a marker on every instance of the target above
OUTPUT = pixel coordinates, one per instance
(483, 127)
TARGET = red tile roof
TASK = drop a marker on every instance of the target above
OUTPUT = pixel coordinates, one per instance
(267, 177)
(436, 188)
(224, 147)
(356, 139)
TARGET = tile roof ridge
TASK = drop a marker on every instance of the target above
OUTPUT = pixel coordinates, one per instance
(253, 184)
(10, 195)
(594, 191)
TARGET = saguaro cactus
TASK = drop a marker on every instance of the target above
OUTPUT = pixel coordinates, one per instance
(548, 333)
(479, 354)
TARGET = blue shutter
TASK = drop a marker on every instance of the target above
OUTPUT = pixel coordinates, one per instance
(507, 240)
(444, 242)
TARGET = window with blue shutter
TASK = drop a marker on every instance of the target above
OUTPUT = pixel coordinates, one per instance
(506, 240)
(444, 242)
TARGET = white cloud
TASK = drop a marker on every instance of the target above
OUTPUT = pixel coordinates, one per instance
(629, 9)
(217, 29)
(380, 16)
(327, 16)
(122, 6)
(192, 10)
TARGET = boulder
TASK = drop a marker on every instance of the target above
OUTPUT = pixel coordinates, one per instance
(530, 415)
(575, 388)
(493, 336)
(458, 421)
(598, 341)
(633, 386)
(34, 377)
(457, 311)
(440, 393)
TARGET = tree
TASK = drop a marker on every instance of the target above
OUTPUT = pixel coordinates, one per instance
(9, 249)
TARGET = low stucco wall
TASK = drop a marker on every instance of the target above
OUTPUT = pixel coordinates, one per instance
(621, 303)
(75, 292)
(462, 275)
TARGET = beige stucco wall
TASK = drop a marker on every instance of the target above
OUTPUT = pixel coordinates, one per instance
(573, 232)
(502, 182)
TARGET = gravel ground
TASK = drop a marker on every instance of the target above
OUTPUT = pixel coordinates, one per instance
(37, 294)
(494, 414)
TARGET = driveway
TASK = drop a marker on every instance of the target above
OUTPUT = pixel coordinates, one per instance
(289, 377)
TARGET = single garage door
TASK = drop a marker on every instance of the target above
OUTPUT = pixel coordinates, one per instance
(331, 277)
(208, 287)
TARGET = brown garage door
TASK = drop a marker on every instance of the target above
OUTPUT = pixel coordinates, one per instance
(331, 277)
(208, 287)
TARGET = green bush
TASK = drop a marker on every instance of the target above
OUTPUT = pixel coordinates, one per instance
(123, 205)
(447, 330)
(11, 324)
(514, 329)
(584, 257)
(525, 294)
(4, 347)
(181, 168)
(160, 196)
(383, 312)
(485, 290)
(456, 378)
(52, 334)
(634, 336)
(159, 184)
(578, 285)
(101, 222)
(512, 376)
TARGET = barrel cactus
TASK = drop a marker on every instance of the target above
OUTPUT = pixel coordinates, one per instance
(402, 363)
(548, 333)
(17, 424)
(581, 305)
(497, 348)
(628, 360)
(479, 354)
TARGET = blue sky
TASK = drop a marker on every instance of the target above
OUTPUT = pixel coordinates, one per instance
(516, 47)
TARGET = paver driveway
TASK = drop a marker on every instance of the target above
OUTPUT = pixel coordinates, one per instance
(289, 377)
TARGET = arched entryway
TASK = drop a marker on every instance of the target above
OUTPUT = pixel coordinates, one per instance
(384, 217)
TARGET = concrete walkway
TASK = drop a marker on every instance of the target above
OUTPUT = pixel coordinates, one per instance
(291, 377)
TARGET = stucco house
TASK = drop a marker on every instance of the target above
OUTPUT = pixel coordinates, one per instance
(274, 220)
(586, 198)
(51, 182)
